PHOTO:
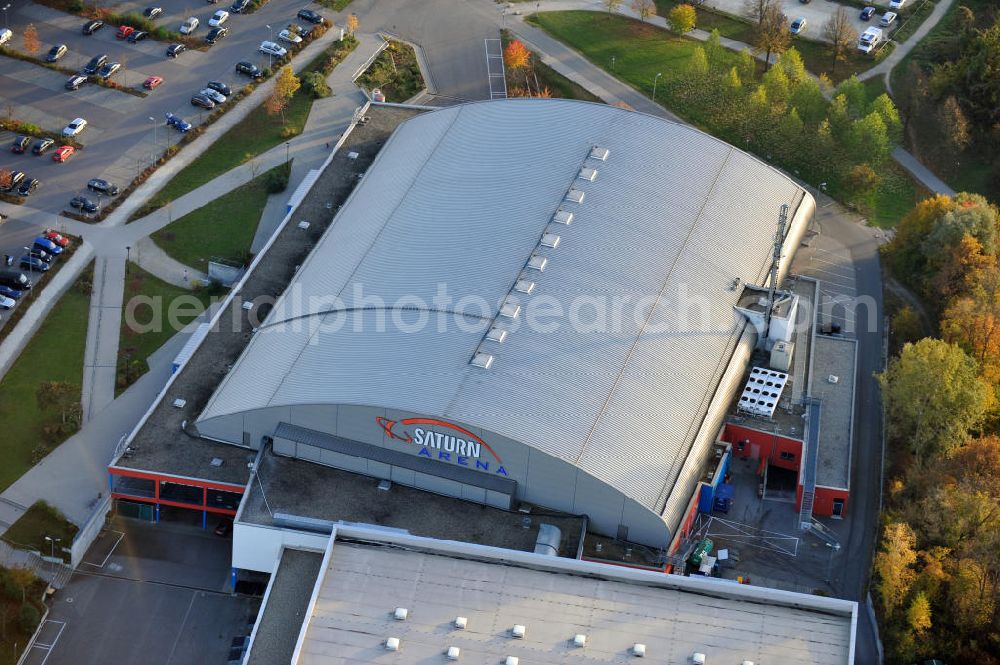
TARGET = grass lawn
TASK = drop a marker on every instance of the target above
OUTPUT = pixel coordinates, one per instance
(818, 59)
(395, 72)
(733, 27)
(335, 5)
(896, 196)
(41, 520)
(136, 346)
(874, 87)
(559, 86)
(255, 134)
(55, 353)
(223, 228)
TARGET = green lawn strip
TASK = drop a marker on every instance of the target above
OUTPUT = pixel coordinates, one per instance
(255, 134)
(896, 195)
(910, 20)
(39, 521)
(158, 306)
(395, 72)
(55, 353)
(335, 5)
(559, 86)
(223, 228)
(874, 87)
(733, 27)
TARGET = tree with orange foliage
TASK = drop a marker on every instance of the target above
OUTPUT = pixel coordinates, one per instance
(31, 41)
(973, 323)
(516, 56)
(351, 24)
(961, 268)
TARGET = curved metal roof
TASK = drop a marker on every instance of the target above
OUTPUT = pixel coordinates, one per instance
(458, 200)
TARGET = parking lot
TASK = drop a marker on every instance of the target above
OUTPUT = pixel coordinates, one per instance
(816, 13)
(147, 595)
(125, 132)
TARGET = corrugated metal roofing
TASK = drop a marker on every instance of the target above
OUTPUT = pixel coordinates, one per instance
(459, 199)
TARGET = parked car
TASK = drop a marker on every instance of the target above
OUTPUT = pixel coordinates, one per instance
(287, 36)
(887, 19)
(90, 27)
(189, 26)
(152, 82)
(57, 238)
(95, 63)
(220, 87)
(239, 6)
(178, 123)
(47, 246)
(10, 292)
(56, 52)
(5, 35)
(15, 179)
(311, 16)
(63, 153)
(202, 101)
(869, 39)
(20, 144)
(297, 29)
(28, 186)
(896, 4)
(33, 263)
(218, 18)
(15, 279)
(6, 303)
(175, 50)
(124, 31)
(137, 36)
(41, 145)
(102, 186)
(75, 127)
(797, 26)
(249, 69)
(270, 48)
(214, 95)
(109, 70)
(152, 13)
(83, 203)
(215, 34)
(867, 13)
(74, 82)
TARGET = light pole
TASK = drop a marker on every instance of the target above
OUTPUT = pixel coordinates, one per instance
(503, 17)
(612, 63)
(286, 151)
(52, 552)
(655, 80)
(5, 8)
(128, 257)
(829, 563)
(31, 273)
(153, 158)
(270, 56)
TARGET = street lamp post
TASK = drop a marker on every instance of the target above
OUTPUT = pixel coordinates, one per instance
(128, 257)
(612, 63)
(270, 56)
(5, 8)
(52, 552)
(31, 273)
(152, 159)
(286, 151)
(655, 81)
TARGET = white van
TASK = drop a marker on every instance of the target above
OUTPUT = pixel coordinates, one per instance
(871, 38)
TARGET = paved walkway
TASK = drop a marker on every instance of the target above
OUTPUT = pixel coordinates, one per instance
(885, 67)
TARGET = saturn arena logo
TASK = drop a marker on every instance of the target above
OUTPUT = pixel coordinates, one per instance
(455, 444)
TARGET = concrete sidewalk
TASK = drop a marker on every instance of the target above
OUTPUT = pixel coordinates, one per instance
(100, 356)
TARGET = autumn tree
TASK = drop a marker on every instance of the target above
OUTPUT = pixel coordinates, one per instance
(643, 9)
(772, 33)
(955, 130)
(933, 416)
(516, 56)
(6, 176)
(31, 42)
(285, 87)
(61, 396)
(682, 18)
(756, 9)
(612, 5)
(840, 33)
(973, 321)
(906, 326)
(23, 578)
(894, 565)
(918, 614)
(351, 24)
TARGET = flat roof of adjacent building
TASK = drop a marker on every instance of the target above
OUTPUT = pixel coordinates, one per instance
(368, 575)
(285, 606)
(834, 357)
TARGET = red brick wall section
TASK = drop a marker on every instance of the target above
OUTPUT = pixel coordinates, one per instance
(767, 445)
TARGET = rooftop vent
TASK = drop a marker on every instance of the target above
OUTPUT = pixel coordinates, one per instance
(698, 658)
(563, 217)
(303, 225)
(482, 360)
(537, 262)
(590, 175)
(179, 403)
(512, 660)
(352, 155)
(453, 653)
(517, 631)
(575, 196)
(580, 640)
(216, 462)
(497, 335)
(524, 286)
(400, 614)
(550, 240)
(461, 623)
(510, 309)
(833, 378)
(639, 650)
(597, 152)
(392, 644)
(247, 305)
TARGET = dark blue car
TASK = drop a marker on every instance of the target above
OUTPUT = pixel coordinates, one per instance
(9, 292)
(43, 243)
(867, 13)
(178, 123)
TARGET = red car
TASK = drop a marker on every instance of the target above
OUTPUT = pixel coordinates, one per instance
(152, 82)
(63, 153)
(124, 31)
(57, 238)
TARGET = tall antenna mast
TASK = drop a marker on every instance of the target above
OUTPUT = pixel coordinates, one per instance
(779, 239)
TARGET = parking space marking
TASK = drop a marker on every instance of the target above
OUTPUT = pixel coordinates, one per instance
(49, 647)
(121, 536)
(494, 68)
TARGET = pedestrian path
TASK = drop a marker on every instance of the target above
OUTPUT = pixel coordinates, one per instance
(100, 356)
(900, 51)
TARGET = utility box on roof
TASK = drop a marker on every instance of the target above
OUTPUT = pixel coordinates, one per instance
(781, 356)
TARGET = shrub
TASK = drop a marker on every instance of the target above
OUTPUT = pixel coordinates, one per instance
(28, 618)
(315, 83)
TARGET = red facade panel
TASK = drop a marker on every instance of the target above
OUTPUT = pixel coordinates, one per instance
(782, 451)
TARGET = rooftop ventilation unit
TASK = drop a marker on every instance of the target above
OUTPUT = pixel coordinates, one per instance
(698, 658)
(482, 360)
(537, 262)
(179, 403)
(590, 175)
(400, 614)
(761, 393)
(833, 378)
(574, 196)
(580, 640)
(453, 653)
(461, 623)
(392, 644)
(525, 286)
(639, 650)
(216, 462)
(563, 217)
(511, 660)
(597, 152)
(517, 631)
(497, 335)
(550, 240)
(510, 309)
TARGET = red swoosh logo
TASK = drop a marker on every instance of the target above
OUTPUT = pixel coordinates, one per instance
(387, 427)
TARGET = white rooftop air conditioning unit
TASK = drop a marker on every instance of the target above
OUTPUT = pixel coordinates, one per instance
(400, 614)
(833, 378)
(392, 644)
(511, 660)
(563, 217)
(453, 653)
(639, 650)
(580, 640)
(517, 631)
(698, 658)
(597, 152)
(461, 623)
(482, 360)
